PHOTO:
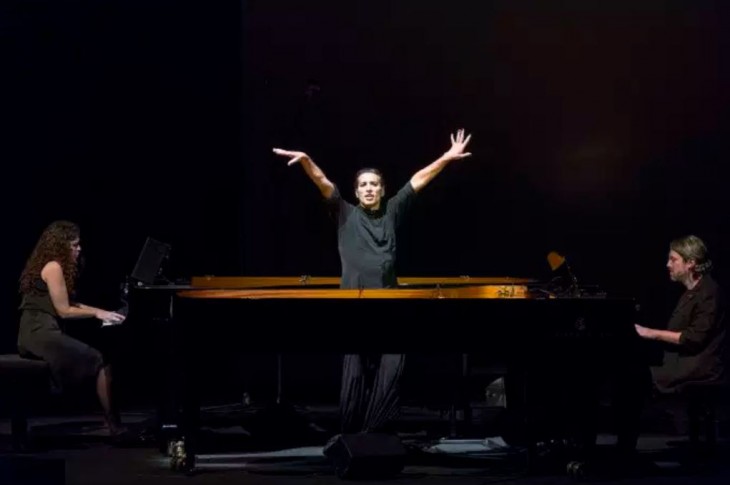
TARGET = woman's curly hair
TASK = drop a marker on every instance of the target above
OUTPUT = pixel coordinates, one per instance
(53, 245)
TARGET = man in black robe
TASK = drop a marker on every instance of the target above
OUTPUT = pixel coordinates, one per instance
(695, 348)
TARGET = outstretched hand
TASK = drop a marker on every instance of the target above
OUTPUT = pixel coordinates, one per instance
(458, 145)
(296, 157)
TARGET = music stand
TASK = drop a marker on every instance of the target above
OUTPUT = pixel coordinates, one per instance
(149, 263)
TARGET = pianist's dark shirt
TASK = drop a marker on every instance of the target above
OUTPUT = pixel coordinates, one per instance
(701, 356)
(367, 239)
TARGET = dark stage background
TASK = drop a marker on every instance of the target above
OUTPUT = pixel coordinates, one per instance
(599, 129)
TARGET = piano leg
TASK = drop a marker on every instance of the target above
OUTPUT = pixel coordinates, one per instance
(461, 400)
(183, 412)
(629, 386)
(170, 380)
(183, 457)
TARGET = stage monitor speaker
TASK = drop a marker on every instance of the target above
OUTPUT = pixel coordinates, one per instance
(366, 455)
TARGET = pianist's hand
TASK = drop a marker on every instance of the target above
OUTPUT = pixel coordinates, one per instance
(644, 332)
(111, 317)
(296, 157)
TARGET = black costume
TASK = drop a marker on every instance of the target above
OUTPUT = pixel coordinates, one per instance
(701, 356)
(698, 359)
(71, 361)
(367, 245)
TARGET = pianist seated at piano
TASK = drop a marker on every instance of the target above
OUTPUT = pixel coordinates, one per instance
(367, 246)
(47, 286)
(695, 346)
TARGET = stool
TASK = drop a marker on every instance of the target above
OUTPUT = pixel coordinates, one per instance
(22, 383)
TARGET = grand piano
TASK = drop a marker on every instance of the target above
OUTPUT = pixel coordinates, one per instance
(558, 346)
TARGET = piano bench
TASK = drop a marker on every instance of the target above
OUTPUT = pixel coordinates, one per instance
(23, 383)
(703, 401)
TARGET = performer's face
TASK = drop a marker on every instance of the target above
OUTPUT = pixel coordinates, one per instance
(75, 249)
(679, 268)
(369, 190)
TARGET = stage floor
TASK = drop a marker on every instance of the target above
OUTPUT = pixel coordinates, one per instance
(240, 446)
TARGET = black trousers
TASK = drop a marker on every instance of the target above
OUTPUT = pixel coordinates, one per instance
(370, 392)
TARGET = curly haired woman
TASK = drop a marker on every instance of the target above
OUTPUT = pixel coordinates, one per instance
(47, 286)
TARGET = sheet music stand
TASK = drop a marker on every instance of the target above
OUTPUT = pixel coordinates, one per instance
(149, 264)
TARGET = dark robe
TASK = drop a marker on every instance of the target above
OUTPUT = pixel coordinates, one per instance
(701, 356)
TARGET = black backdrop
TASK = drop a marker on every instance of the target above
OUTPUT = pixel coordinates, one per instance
(599, 129)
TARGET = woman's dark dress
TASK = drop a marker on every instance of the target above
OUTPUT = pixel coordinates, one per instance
(72, 362)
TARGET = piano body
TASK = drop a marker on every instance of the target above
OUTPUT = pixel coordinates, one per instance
(556, 350)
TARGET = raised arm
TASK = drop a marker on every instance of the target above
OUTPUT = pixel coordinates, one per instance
(313, 171)
(458, 144)
(52, 274)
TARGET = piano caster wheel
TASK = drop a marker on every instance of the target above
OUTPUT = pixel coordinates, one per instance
(576, 469)
(180, 461)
